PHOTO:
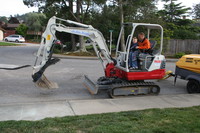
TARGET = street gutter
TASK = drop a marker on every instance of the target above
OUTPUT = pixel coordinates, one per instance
(93, 58)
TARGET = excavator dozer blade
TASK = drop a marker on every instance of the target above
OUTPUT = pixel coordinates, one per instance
(90, 85)
(43, 82)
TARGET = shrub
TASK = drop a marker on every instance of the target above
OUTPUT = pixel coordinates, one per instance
(179, 55)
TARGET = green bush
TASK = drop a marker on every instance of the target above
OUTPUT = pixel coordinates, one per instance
(179, 55)
(29, 37)
(62, 48)
(89, 48)
(35, 40)
(68, 46)
(56, 51)
(22, 29)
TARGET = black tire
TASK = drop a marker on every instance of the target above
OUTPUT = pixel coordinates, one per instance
(155, 90)
(193, 86)
(6, 40)
(17, 41)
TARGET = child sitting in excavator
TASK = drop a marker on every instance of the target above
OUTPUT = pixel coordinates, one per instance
(133, 64)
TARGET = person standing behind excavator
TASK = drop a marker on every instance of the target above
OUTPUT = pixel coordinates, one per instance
(143, 43)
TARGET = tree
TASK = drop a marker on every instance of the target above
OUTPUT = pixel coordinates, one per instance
(133, 11)
(4, 19)
(35, 22)
(78, 18)
(179, 28)
(22, 29)
(121, 14)
(107, 19)
(196, 11)
(81, 14)
(172, 11)
(65, 9)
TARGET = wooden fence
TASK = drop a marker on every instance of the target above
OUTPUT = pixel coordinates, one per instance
(188, 46)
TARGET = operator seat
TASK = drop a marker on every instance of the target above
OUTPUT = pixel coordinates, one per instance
(147, 56)
(153, 45)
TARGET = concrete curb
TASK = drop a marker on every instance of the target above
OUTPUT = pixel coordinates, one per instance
(75, 57)
(93, 58)
(171, 60)
(41, 110)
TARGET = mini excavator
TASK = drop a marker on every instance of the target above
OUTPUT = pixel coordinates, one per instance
(118, 80)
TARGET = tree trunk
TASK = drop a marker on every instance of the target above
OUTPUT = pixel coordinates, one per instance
(122, 44)
(73, 42)
(78, 11)
(82, 44)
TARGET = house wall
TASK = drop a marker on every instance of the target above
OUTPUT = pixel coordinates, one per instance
(1, 35)
(9, 32)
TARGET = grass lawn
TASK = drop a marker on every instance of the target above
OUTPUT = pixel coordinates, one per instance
(180, 120)
(9, 44)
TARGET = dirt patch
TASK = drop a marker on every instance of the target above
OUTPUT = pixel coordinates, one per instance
(80, 53)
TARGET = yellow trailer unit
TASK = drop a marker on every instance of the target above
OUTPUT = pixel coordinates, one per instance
(188, 68)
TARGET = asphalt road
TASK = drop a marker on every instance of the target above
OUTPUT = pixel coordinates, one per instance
(16, 86)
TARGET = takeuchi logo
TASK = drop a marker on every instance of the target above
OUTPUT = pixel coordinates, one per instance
(80, 32)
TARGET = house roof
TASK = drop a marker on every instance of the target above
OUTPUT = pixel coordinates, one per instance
(13, 20)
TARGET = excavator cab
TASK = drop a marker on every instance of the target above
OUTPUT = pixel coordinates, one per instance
(119, 80)
(146, 58)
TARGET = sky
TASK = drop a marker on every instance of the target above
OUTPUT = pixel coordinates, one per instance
(187, 3)
(13, 7)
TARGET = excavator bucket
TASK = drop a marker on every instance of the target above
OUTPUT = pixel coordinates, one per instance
(90, 85)
(43, 82)
(40, 79)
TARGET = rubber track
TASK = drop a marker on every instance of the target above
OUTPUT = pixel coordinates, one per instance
(133, 84)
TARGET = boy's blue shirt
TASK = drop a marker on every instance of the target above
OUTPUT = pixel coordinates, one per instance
(133, 45)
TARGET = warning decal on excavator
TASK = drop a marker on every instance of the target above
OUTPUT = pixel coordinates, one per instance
(157, 62)
(48, 37)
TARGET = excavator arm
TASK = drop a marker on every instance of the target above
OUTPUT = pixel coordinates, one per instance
(44, 54)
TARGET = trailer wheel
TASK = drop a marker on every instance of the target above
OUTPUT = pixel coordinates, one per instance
(193, 86)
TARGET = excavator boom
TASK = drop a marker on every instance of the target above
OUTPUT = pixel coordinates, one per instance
(47, 45)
